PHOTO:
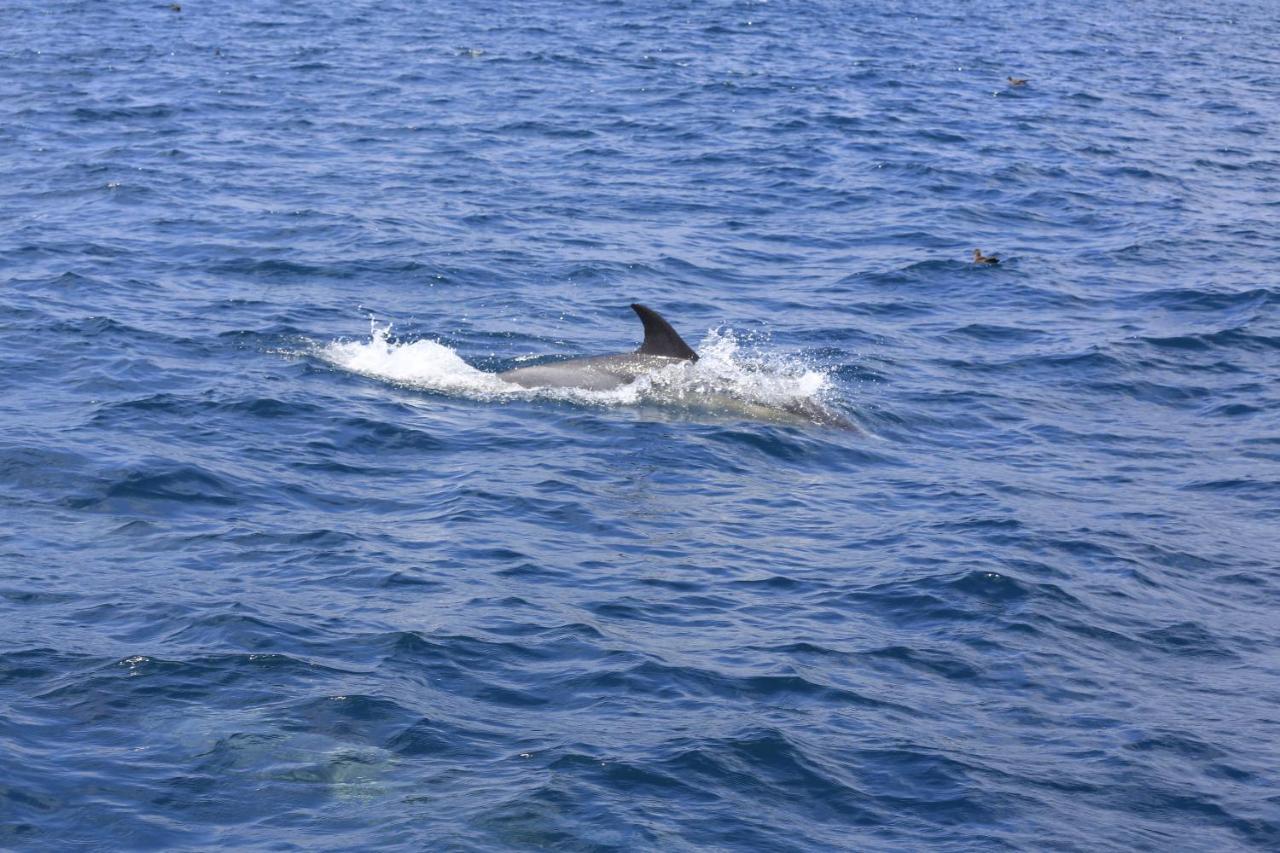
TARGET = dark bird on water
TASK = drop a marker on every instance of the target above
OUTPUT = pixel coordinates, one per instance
(989, 260)
(1017, 81)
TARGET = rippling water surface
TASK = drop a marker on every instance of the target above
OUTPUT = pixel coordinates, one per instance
(282, 566)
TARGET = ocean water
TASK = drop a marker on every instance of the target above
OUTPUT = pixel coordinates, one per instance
(283, 566)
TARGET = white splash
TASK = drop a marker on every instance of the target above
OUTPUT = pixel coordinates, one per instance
(730, 379)
(423, 364)
(726, 367)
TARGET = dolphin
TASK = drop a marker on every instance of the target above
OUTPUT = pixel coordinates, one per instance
(662, 347)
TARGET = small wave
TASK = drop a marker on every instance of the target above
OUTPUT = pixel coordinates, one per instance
(732, 378)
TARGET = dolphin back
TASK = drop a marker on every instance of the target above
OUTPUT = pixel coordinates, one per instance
(659, 337)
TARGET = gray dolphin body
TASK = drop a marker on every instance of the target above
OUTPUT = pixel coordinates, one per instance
(661, 347)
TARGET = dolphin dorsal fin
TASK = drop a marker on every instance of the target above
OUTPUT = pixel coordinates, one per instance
(659, 337)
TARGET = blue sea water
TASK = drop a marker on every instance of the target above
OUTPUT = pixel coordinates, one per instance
(282, 568)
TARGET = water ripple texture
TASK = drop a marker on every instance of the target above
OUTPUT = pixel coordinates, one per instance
(921, 554)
